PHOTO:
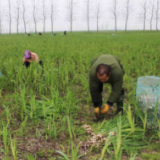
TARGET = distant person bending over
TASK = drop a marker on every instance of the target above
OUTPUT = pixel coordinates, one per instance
(106, 69)
(30, 57)
(65, 33)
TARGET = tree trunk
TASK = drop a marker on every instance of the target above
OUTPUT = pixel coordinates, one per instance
(144, 21)
(115, 22)
(44, 25)
(71, 25)
(0, 25)
(25, 30)
(51, 25)
(156, 24)
(17, 26)
(0, 21)
(151, 17)
(157, 15)
(10, 18)
(88, 3)
(97, 25)
(24, 22)
(126, 23)
(35, 24)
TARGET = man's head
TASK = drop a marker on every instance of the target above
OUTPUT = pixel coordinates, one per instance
(27, 54)
(103, 72)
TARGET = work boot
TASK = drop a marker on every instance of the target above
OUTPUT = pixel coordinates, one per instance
(95, 119)
(119, 107)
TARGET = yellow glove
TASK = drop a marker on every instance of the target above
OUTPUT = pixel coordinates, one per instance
(104, 109)
(97, 112)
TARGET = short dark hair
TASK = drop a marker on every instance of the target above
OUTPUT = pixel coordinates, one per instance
(103, 69)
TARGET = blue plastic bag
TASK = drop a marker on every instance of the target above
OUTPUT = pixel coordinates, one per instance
(148, 96)
(1, 73)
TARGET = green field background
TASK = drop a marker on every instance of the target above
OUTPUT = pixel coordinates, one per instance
(61, 87)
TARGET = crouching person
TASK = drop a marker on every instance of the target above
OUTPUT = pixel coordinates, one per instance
(29, 57)
(106, 69)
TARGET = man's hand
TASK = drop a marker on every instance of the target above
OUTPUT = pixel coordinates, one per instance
(27, 60)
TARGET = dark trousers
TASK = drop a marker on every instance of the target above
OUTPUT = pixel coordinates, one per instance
(120, 102)
(27, 64)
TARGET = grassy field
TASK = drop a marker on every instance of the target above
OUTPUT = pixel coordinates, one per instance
(47, 113)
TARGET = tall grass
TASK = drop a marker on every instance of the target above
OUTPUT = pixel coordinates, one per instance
(56, 97)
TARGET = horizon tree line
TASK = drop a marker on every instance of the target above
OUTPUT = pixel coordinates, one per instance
(36, 11)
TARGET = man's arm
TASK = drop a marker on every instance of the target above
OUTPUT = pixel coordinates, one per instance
(96, 89)
(34, 57)
(24, 59)
(116, 91)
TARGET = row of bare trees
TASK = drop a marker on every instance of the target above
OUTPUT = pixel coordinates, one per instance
(34, 11)
(153, 7)
(146, 6)
(45, 12)
(18, 11)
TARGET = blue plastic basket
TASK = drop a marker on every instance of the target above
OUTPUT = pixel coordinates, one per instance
(148, 96)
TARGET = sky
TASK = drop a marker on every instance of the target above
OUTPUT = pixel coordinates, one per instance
(61, 23)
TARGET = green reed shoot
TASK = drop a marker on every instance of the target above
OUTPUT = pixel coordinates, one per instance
(133, 156)
(72, 153)
(8, 115)
(105, 148)
(63, 155)
(130, 119)
(70, 127)
(13, 147)
(23, 125)
(118, 143)
(31, 157)
(158, 133)
(23, 102)
(33, 106)
(5, 138)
